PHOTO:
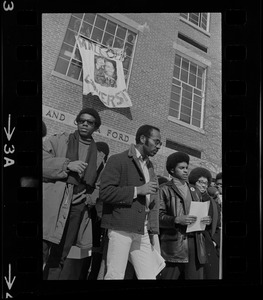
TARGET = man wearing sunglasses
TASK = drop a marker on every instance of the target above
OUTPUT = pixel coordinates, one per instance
(70, 164)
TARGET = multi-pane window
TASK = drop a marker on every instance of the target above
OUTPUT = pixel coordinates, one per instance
(187, 95)
(199, 19)
(98, 29)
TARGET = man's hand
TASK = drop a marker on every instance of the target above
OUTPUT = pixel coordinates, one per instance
(151, 236)
(77, 166)
(185, 219)
(206, 220)
(150, 187)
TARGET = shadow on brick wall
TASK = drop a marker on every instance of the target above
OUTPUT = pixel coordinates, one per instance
(94, 102)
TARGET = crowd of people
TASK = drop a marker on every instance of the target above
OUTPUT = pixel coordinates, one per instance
(138, 224)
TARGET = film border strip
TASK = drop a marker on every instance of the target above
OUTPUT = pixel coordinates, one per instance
(242, 212)
(21, 146)
(22, 140)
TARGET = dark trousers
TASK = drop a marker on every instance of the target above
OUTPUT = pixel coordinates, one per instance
(211, 268)
(97, 236)
(58, 253)
(191, 270)
(75, 269)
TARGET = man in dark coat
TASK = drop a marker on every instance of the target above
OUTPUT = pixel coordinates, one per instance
(184, 252)
(131, 208)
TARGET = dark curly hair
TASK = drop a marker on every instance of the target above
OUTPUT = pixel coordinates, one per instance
(92, 112)
(103, 147)
(218, 176)
(198, 172)
(174, 159)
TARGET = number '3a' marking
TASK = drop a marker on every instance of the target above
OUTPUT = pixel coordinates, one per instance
(9, 149)
(9, 6)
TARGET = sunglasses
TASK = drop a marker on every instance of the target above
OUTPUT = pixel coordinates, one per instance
(90, 123)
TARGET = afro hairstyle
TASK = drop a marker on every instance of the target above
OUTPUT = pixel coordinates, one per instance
(174, 159)
(198, 172)
(103, 147)
(218, 176)
(92, 112)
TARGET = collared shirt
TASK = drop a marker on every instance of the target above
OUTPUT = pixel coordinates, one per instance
(146, 174)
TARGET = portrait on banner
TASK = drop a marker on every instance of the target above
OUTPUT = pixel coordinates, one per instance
(103, 73)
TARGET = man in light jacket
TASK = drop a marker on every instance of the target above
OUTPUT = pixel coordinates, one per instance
(70, 164)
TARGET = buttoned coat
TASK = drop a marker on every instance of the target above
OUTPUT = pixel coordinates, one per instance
(120, 210)
(57, 193)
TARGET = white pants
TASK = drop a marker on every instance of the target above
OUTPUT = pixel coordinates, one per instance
(123, 245)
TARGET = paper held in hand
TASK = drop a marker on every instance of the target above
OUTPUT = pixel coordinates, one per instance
(200, 210)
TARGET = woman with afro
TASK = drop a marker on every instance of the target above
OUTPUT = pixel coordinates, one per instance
(201, 178)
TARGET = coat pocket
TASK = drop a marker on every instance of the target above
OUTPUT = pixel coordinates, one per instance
(84, 239)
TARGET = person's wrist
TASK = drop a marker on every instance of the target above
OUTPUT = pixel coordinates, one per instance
(176, 220)
(66, 168)
(138, 190)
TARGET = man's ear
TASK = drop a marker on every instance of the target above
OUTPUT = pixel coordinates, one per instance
(142, 139)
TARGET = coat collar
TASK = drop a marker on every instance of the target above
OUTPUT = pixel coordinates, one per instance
(191, 188)
(174, 187)
(133, 155)
(132, 151)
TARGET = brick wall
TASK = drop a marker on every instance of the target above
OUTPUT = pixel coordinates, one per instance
(149, 85)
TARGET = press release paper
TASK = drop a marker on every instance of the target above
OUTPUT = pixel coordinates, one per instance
(200, 210)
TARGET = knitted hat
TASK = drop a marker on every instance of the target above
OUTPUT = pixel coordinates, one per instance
(174, 159)
(198, 172)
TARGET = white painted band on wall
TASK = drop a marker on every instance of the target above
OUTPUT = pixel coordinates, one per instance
(116, 135)
(68, 119)
(188, 53)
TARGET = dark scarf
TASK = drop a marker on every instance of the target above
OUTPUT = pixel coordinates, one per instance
(90, 173)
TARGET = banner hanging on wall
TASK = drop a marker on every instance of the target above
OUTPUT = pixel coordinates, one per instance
(103, 73)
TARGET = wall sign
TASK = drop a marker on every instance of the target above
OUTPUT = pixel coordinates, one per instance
(68, 119)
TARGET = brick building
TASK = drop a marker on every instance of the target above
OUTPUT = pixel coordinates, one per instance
(173, 74)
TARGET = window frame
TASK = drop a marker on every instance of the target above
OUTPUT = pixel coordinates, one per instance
(194, 59)
(133, 26)
(187, 21)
